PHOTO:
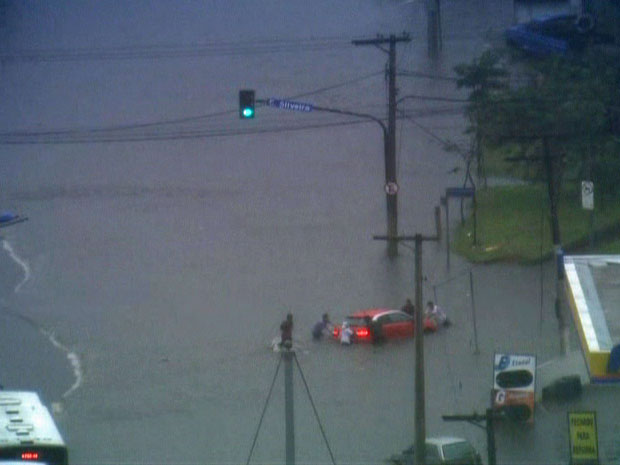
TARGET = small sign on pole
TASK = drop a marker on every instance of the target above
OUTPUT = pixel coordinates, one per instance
(587, 195)
(583, 437)
(391, 188)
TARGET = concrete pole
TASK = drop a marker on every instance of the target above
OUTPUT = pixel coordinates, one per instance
(390, 158)
(420, 413)
(553, 187)
(289, 413)
(473, 311)
(433, 28)
(490, 427)
(447, 232)
(390, 138)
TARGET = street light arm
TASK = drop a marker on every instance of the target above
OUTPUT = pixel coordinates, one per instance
(340, 112)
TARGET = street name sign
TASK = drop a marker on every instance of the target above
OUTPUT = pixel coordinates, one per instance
(583, 437)
(289, 105)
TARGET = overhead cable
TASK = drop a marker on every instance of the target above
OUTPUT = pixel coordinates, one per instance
(255, 47)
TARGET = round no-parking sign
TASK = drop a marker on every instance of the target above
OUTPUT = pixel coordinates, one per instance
(391, 188)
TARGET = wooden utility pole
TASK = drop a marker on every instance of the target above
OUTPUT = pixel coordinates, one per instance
(391, 186)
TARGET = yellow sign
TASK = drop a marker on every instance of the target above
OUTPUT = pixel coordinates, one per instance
(583, 437)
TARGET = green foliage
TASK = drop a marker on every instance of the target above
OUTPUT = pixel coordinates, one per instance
(513, 224)
(485, 77)
(573, 103)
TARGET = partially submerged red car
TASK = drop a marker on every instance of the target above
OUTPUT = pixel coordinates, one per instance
(384, 322)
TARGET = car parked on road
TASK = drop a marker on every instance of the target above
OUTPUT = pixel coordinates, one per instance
(440, 451)
(371, 324)
(553, 35)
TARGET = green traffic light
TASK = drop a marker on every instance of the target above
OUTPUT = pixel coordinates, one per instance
(248, 113)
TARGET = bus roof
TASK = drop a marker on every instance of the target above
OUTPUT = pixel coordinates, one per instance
(25, 420)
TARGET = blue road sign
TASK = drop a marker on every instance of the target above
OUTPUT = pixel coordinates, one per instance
(289, 105)
(460, 192)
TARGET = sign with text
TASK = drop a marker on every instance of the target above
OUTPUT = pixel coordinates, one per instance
(289, 105)
(583, 437)
(514, 382)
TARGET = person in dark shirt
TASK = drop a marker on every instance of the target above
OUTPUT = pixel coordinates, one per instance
(286, 332)
(376, 331)
(408, 307)
(318, 331)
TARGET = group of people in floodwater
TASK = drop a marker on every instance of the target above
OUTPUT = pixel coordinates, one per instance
(324, 326)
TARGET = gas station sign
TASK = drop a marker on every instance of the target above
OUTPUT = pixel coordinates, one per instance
(514, 382)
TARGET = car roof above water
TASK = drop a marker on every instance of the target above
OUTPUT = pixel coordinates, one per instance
(443, 440)
(371, 312)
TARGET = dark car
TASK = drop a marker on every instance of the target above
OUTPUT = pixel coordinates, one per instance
(552, 35)
(439, 451)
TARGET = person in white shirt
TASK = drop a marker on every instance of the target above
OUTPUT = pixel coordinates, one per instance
(346, 334)
(436, 313)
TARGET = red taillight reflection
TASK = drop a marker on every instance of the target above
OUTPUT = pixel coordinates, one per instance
(30, 455)
(362, 332)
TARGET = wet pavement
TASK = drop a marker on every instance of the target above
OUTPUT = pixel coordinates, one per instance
(167, 266)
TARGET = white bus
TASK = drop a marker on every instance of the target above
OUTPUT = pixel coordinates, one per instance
(28, 432)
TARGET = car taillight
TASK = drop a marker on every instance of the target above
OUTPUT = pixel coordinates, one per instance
(362, 332)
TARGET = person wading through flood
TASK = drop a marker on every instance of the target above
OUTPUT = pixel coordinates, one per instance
(408, 307)
(319, 329)
(436, 313)
(286, 332)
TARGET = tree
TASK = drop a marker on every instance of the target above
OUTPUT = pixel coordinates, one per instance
(484, 77)
(570, 103)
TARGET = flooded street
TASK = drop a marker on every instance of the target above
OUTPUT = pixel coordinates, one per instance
(165, 243)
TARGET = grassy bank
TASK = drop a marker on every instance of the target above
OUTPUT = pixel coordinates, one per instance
(513, 224)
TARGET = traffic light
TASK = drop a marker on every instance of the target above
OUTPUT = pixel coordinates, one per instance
(246, 104)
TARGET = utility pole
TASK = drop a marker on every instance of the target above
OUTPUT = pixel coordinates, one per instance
(289, 411)
(420, 407)
(552, 169)
(433, 25)
(391, 186)
(553, 187)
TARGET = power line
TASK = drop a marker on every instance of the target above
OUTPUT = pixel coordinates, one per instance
(346, 83)
(85, 138)
(417, 74)
(255, 47)
(184, 120)
(438, 99)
